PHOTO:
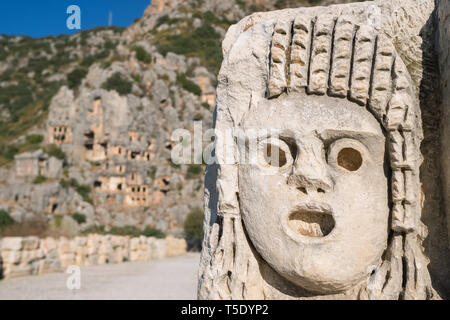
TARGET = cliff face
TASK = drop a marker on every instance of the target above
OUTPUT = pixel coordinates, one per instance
(101, 106)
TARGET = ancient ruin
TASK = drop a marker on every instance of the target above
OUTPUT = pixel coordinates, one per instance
(339, 214)
(110, 150)
(33, 164)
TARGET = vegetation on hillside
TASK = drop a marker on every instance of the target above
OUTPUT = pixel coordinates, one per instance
(83, 190)
(5, 219)
(36, 226)
(54, 151)
(281, 4)
(39, 179)
(203, 42)
(79, 217)
(75, 77)
(193, 171)
(29, 82)
(119, 83)
(142, 55)
(188, 85)
(131, 231)
(8, 151)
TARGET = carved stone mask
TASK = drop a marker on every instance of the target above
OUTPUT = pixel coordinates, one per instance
(323, 198)
(318, 216)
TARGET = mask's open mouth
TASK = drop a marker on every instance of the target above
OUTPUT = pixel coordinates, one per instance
(311, 220)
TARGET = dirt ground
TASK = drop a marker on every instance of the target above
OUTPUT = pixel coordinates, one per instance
(168, 279)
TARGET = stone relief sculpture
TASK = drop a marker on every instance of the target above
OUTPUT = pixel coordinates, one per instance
(339, 215)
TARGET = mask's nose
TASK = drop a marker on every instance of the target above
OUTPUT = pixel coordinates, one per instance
(310, 173)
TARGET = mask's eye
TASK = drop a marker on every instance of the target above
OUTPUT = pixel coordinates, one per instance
(274, 153)
(349, 159)
(346, 154)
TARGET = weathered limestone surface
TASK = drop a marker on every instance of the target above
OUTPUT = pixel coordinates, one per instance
(344, 90)
(32, 256)
(444, 61)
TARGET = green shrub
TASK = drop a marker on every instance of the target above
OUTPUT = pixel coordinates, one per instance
(282, 4)
(17, 97)
(69, 183)
(174, 165)
(209, 18)
(142, 55)
(136, 77)
(165, 20)
(109, 45)
(9, 151)
(54, 151)
(3, 54)
(64, 183)
(105, 65)
(102, 54)
(131, 231)
(31, 143)
(75, 77)
(39, 179)
(188, 85)
(79, 218)
(7, 74)
(84, 191)
(61, 59)
(125, 231)
(5, 219)
(241, 4)
(152, 232)
(34, 139)
(194, 170)
(198, 116)
(58, 221)
(94, 229)
(193, 227)
(118, 83)
(162, 20)
(38, 64)
(88, 61)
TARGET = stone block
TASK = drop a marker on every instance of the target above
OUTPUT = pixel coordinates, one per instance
(12, 243)
(175, 247)
(30, 243)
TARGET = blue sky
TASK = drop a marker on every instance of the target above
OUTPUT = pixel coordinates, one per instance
(38, 18)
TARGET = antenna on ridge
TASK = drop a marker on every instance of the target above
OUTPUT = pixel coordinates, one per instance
(110, 19)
